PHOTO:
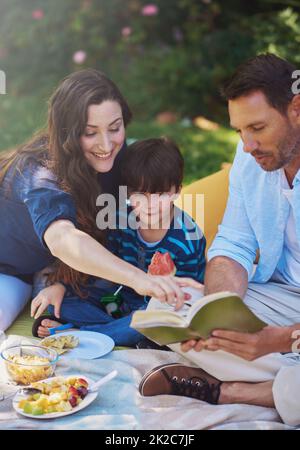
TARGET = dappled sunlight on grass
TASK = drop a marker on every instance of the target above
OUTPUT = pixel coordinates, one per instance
(198, 138)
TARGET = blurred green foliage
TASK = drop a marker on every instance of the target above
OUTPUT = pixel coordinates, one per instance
(173, 59)
(165, 55)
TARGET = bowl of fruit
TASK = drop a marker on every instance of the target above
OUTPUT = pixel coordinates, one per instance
(26, 364)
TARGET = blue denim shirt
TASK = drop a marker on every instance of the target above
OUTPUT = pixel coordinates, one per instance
(29, 202)
(255, 217)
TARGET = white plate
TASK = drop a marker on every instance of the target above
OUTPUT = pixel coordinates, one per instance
(85, 402)
(91, 345)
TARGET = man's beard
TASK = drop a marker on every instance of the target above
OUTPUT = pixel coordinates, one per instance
(288, 149)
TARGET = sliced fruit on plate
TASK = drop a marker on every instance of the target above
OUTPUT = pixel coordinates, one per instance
(58, 395)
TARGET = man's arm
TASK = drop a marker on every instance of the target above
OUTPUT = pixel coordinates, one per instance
(225, 274)
(233, 251)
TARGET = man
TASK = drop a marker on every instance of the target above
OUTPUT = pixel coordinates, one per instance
(262, 213)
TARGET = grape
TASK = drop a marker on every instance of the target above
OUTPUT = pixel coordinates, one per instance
(73, 401)
(82, 391)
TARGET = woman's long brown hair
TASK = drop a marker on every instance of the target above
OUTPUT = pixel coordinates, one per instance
(58, 148)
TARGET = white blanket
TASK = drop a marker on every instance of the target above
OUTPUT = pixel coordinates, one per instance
(120, 406)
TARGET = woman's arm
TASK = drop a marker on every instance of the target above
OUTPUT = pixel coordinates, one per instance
(83, 253)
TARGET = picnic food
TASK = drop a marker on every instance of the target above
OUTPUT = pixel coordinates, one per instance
(162, 264)
(28, 363)
(58, 395)
(27, 369)
(61, 343)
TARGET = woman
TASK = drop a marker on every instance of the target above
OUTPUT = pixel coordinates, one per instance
(48, 191)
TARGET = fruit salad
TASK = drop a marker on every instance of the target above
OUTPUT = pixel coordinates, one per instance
(58, 395)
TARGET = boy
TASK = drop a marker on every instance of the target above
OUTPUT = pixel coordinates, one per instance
(152, 172)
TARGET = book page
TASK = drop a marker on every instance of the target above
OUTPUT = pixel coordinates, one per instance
(191, 306)
(222, 310)
(199, 301)
(156, 305)
(183, 312)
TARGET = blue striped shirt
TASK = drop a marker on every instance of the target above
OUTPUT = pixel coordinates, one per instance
(184, 241)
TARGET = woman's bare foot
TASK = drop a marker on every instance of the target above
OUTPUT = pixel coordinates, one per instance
(43, 329)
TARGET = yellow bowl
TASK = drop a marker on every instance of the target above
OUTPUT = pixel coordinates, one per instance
(26, 364)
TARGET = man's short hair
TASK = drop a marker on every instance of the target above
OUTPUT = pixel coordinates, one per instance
(266, 73)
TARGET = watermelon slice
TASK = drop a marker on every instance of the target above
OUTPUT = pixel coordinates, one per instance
(162, 264)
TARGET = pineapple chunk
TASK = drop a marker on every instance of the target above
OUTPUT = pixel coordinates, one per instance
(63, 407)
(71, 381)
(43, 402)
(22, 403)
(54, 398)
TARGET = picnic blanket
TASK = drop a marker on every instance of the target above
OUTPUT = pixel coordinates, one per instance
(120, 406)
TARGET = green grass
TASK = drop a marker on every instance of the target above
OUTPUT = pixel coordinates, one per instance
(204, 151)
(19, 118)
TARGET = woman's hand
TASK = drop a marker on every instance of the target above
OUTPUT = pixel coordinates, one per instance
(165, 288)
(52, 295)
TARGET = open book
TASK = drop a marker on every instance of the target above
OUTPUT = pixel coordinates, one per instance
(196, 319)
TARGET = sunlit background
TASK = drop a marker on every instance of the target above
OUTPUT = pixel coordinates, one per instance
(168, 57)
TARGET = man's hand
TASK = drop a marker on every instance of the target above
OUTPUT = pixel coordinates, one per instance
(248, 346)
(52, 295)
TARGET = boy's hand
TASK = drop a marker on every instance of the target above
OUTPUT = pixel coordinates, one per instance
(165, 288)
(52, 295)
